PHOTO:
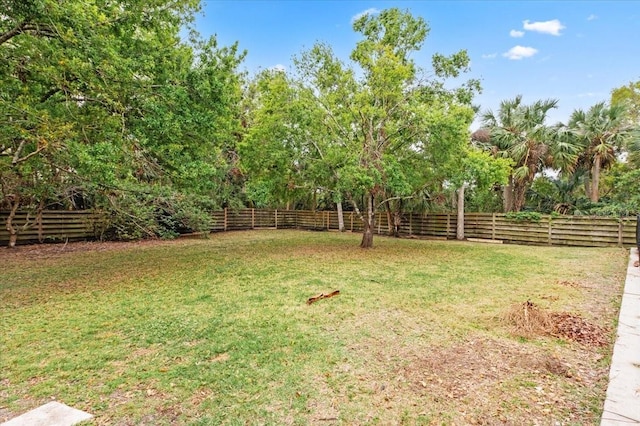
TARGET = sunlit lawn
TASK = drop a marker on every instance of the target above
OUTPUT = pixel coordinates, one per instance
(217, 331)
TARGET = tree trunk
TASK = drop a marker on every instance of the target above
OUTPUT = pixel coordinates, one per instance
(507, 196)
(340, 216)
(387, 207)
(594, 195)
(587, 185)
(397, 220)
(519, 193)
(460, 223)
(12, 230)
(369, 223)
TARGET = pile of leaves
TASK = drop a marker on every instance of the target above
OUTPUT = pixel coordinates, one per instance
(529, 319)
(574, 327)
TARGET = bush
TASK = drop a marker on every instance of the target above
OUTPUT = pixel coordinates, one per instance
(161, 214)
(524, 216)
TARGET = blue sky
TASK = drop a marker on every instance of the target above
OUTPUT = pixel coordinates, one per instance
(573, 51)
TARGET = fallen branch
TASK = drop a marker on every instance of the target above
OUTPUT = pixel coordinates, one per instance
(322, 296)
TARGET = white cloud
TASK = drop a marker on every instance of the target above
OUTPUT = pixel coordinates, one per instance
(489, 55)
(279, 67)
(370, 11)
(592, 17)
(552, 27)
(516, 33)
(519, 52)
(589, 95)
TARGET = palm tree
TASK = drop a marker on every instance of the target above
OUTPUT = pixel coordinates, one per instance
(519, 132)
(602, 132)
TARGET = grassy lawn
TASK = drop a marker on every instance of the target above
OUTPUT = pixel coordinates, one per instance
(217, 331)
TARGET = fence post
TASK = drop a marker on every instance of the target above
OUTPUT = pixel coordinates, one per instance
(638, 235)
(275, 213)
(619, 232)
(493, 226)
(410, 230)
(225, 218)
(549, 231)
(253, 218)
(328, 220)
(351, 221)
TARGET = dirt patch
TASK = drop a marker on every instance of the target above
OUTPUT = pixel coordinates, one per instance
(401, 368)
(44, 251)
(571, 284)
(481, 380)
(325, 407)
(220, 357)
(485, 376)
(484, 381)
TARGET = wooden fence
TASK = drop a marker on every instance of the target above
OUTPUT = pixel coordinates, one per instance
(564, 230)
(52, 226)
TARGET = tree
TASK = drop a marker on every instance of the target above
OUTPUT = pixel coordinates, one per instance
(480, 171)
(104, 106)
(602, 132)
(276, 150)
(519, 132)
(386, 115)
(628, 95)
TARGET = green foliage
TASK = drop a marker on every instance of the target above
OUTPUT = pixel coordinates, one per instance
(102, 98)
(154, 212)
(623, 198)
(602, 132)
(277, 151)
(524, 216)
(628, 95)
(381, 133)
(519, 132)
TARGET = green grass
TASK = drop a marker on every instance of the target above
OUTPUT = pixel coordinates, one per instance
(217, 331)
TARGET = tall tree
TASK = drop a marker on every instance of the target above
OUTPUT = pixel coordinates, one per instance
(386, 114)
(602, 132)
(104, 106)
(628, 95)
(518, 131)
(478, 170)
(277, 148)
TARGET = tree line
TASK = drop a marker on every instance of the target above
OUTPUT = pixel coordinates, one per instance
(123, 107)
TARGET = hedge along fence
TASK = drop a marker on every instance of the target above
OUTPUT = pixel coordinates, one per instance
(52, 226)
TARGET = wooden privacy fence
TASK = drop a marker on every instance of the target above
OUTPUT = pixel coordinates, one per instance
(550, 230)
(52, 226)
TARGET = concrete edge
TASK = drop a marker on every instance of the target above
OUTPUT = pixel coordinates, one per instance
(50, 414)
(622, 403)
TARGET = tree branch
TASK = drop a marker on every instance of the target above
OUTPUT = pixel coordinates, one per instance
(17, 159)
(49, 94)
(16, 156)
(18, 29)
(408, 197)
(27, 27)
